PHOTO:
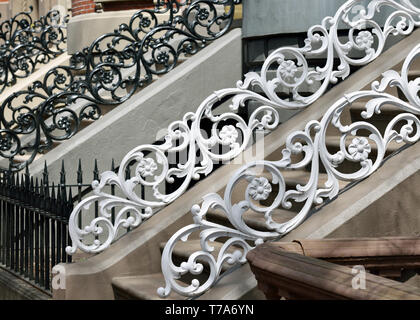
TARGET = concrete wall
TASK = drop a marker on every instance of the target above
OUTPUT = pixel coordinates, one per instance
(264, 17)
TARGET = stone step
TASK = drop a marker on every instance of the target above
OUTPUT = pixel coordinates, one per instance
(381, 120)
(183, 250)
(333, 145)
(25, 157)
(141, 288)
(252, 219)
(292, 179)
(412, 75)
(358, 107)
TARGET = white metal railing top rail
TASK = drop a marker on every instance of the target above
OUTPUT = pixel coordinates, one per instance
(231, 132)
(403, 128)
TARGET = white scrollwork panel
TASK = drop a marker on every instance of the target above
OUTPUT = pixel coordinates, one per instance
(356, 145)
(231, 133)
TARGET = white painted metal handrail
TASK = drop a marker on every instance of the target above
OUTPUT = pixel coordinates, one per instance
(153, 169)
(310, 143)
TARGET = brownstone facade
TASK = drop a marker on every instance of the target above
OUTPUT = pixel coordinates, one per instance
(127, 5)
(82, 7)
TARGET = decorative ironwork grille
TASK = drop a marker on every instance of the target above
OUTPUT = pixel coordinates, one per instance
(25, 44)
(108, 72)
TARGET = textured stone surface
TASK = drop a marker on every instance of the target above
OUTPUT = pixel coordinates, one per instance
(281, 15)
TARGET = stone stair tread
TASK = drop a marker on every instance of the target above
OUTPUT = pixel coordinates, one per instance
(183, 250)
(413, 73)
(142, 287)
(254, 219)
(388, 108)
(302, 177)
(25, 157)
(334, 141)
(293, 177)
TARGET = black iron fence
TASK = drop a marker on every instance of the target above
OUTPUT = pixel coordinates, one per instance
(34, 216)
(33, 226)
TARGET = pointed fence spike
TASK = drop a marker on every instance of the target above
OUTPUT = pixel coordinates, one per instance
(80, 173)
(64, 192)
(62, 174)
(27, 179)
(42, 187)
(59, 193)
(70, 199)
(53, 191)
(45, 173)
(47, 190)
(96, 171)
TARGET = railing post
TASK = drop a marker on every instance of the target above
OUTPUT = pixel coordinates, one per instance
(42, 234)
(53, 225)
(31, 228)
(47, 234)
(37, 233)
(79, 188)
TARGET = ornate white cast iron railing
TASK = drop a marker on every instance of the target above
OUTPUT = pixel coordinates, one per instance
(311, 145)
(230, 130)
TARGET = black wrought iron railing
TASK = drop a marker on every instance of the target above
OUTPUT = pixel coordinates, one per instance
(34, 216)
(26, 43)
(33, 226)
(108, 72)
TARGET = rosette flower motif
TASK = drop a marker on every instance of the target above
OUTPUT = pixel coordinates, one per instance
(359, 149)
(147, 167)
(287, 69)
(228, 134)
(259, 189)
(364, 39)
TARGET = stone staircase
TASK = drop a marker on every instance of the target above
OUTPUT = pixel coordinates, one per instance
(56, 147)
(39, 75)
(131, 268)
(135, 121)
(144, 285)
